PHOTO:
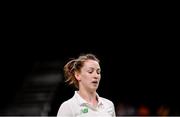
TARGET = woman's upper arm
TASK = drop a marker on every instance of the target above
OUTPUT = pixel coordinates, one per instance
(64, 110)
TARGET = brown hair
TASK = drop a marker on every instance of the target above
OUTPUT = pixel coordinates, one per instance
(75, 65)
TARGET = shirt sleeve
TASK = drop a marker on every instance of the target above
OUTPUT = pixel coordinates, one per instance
(65, 110)
(111, 108)
(114, 113)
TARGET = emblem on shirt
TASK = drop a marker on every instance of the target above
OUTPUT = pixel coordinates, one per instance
(84, 110)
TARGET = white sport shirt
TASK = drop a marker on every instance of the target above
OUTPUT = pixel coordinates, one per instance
(78, 107)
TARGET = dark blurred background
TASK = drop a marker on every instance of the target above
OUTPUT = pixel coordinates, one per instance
(139, 60)
(132, 73)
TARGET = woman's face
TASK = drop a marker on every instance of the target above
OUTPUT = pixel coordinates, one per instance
(89, 76)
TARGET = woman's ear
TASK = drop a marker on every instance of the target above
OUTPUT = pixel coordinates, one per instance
(77, 76)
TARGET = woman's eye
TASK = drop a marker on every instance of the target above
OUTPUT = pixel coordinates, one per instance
(90, 72)
(98, 72)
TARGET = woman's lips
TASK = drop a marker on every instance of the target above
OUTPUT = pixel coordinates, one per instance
(95, 82)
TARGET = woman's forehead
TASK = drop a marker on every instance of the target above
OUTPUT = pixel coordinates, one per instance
(91, 64)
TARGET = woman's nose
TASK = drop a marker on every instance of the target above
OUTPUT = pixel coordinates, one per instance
(96, 75)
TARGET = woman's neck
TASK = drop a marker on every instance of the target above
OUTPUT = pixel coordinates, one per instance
(90, 97)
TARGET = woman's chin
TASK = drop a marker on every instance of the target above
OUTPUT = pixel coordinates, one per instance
(94, 88)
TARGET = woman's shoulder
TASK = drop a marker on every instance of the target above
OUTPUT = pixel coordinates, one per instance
(68, 101)
(66, 108)
(105, 100)
(108, 105)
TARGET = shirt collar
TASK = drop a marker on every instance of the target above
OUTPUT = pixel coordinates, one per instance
(82, 101)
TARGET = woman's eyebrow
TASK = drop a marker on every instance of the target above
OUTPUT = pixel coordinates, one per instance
(94, 68)
(90, 68)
